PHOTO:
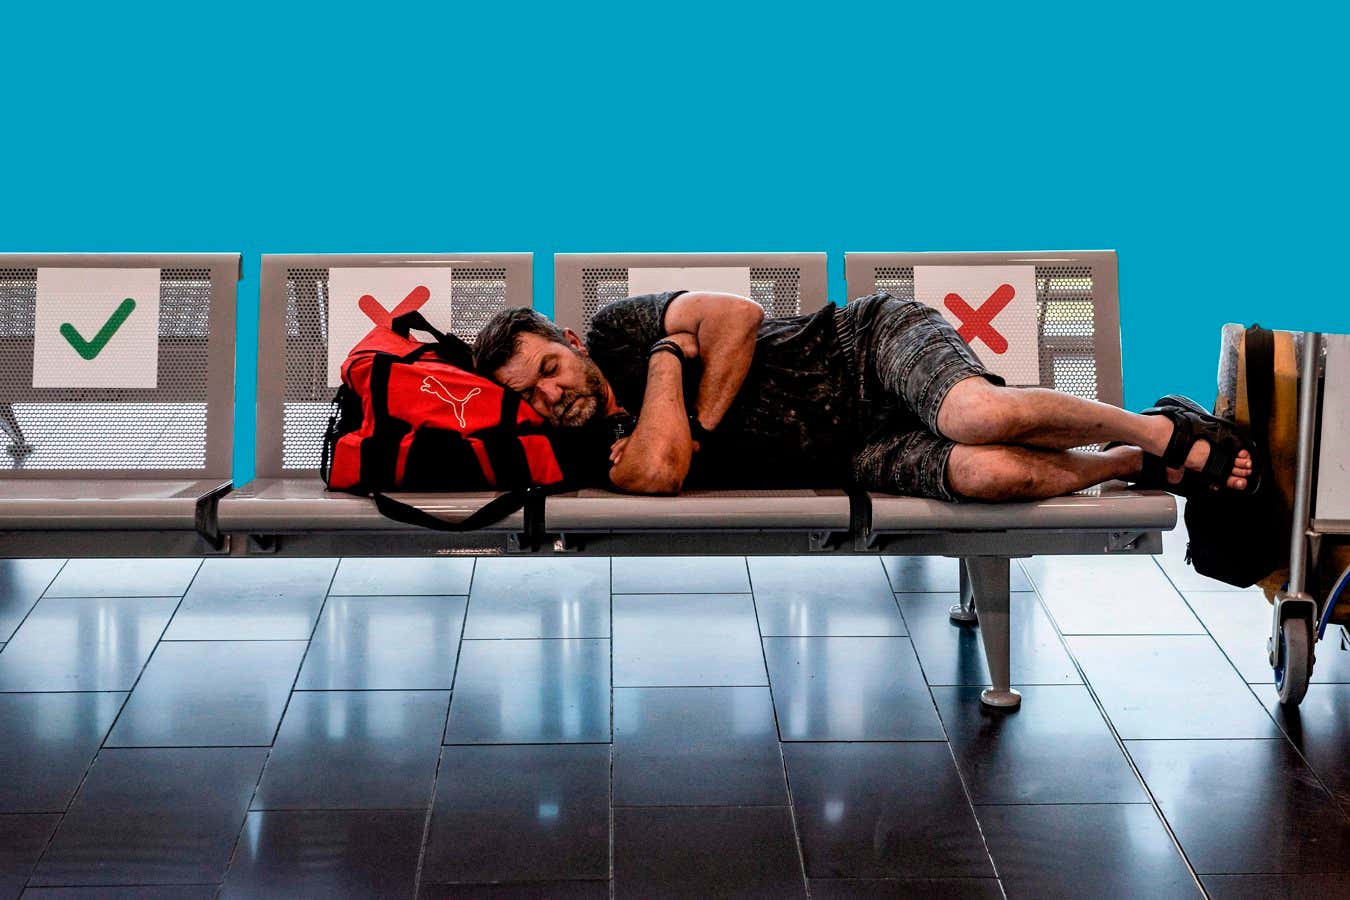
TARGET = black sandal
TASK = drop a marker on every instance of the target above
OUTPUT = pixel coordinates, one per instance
(1152, 476)
(1193, 423)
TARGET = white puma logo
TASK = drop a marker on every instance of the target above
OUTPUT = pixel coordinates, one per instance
(458, 404)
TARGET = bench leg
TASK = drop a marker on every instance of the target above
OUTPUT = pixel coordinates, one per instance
(989, 579)
(963, 613)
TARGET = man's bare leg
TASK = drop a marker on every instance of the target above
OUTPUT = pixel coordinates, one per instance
(1004, 472)
(978, 412)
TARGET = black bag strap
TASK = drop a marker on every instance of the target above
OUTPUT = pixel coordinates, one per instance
(531, 499)
(1260, 373)
(450, 348)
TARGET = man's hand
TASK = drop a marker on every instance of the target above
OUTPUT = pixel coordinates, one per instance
(616, 449)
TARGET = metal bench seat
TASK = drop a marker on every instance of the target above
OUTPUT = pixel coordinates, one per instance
(286, 508)
(276, 506)
(96, 505)
(1111, 508)
(116, 468)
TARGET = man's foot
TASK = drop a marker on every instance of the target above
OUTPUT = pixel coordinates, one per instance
(1199, 455)
(1195, 461)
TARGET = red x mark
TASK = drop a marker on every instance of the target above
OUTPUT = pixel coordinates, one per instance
(381, 316)
(975, 322)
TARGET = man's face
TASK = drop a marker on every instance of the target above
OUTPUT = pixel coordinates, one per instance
(559, 381)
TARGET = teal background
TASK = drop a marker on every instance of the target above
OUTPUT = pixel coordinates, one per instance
(1206, 145)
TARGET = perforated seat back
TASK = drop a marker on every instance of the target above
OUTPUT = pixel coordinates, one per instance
(179, 428)
(785, 284)
(1077, 322)
(293, 384)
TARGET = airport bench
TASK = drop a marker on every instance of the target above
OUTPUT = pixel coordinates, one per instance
(116, 401)
(1070, 339)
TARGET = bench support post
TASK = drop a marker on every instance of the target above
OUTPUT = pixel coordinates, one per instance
(990, 583)
(963, 613)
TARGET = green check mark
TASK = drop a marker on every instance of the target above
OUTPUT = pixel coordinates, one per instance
(90, 349)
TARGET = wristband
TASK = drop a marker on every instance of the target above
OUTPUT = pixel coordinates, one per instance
(667, 346)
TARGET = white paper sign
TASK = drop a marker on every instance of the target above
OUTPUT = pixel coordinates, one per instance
(728, 279)
(96, 328)
(389, 287)
(994, 309)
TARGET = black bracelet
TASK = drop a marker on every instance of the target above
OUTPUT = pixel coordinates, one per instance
(668, 347)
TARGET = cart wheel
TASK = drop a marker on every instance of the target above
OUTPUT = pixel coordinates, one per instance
(1296, 645)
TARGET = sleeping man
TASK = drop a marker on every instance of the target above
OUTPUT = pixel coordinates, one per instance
(881, 394)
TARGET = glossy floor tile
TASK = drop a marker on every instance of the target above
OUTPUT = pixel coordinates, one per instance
(684, 640)
(253, 600)
(531, 692)
(154, 816)
(548, 821)
(283, 855)
(84, 643)
(539, 598)
(850, 689)
(883, 810)
(1240, 622)
(802, 596)
(210, 693)
(680, 575)
(1167, 686)
(1110, 595)
(124, 578)
(129, 892)
(398, 577)
(47, 742)
(355, 750)
(1094, 850)
(22, 840)
(696, 747)
(1319, 728)
(384, 643)
(1056, 748)
(22, 582)
(1277, 887)
(939, 574)
(905, 888)
(456, 715)
(537, 890)
(678, 852)
(953, 653)
(1248, 807)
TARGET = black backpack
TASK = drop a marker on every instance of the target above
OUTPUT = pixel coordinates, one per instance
(1240, 538)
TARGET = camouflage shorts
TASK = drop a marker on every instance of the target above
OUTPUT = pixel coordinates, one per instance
(905, 358)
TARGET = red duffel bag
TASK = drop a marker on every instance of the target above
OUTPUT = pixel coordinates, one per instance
(414, 416)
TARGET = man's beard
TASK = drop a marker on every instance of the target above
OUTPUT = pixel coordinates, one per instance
(577, 408)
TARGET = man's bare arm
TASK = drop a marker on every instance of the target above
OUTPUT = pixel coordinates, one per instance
(656, 458)
(724, 326)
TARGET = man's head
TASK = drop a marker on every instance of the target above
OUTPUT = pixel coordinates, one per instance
(546, 364)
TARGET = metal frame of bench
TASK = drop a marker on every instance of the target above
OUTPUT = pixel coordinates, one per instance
(286, 508)
(784, 521)
(1079, 340)
(286, 511)
(182, 428)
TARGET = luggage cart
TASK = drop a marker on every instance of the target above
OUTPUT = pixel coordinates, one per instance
(1301, 619)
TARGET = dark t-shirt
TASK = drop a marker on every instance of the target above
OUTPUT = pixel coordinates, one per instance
(791, 424)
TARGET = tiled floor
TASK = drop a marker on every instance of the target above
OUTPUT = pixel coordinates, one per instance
(646, 728)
